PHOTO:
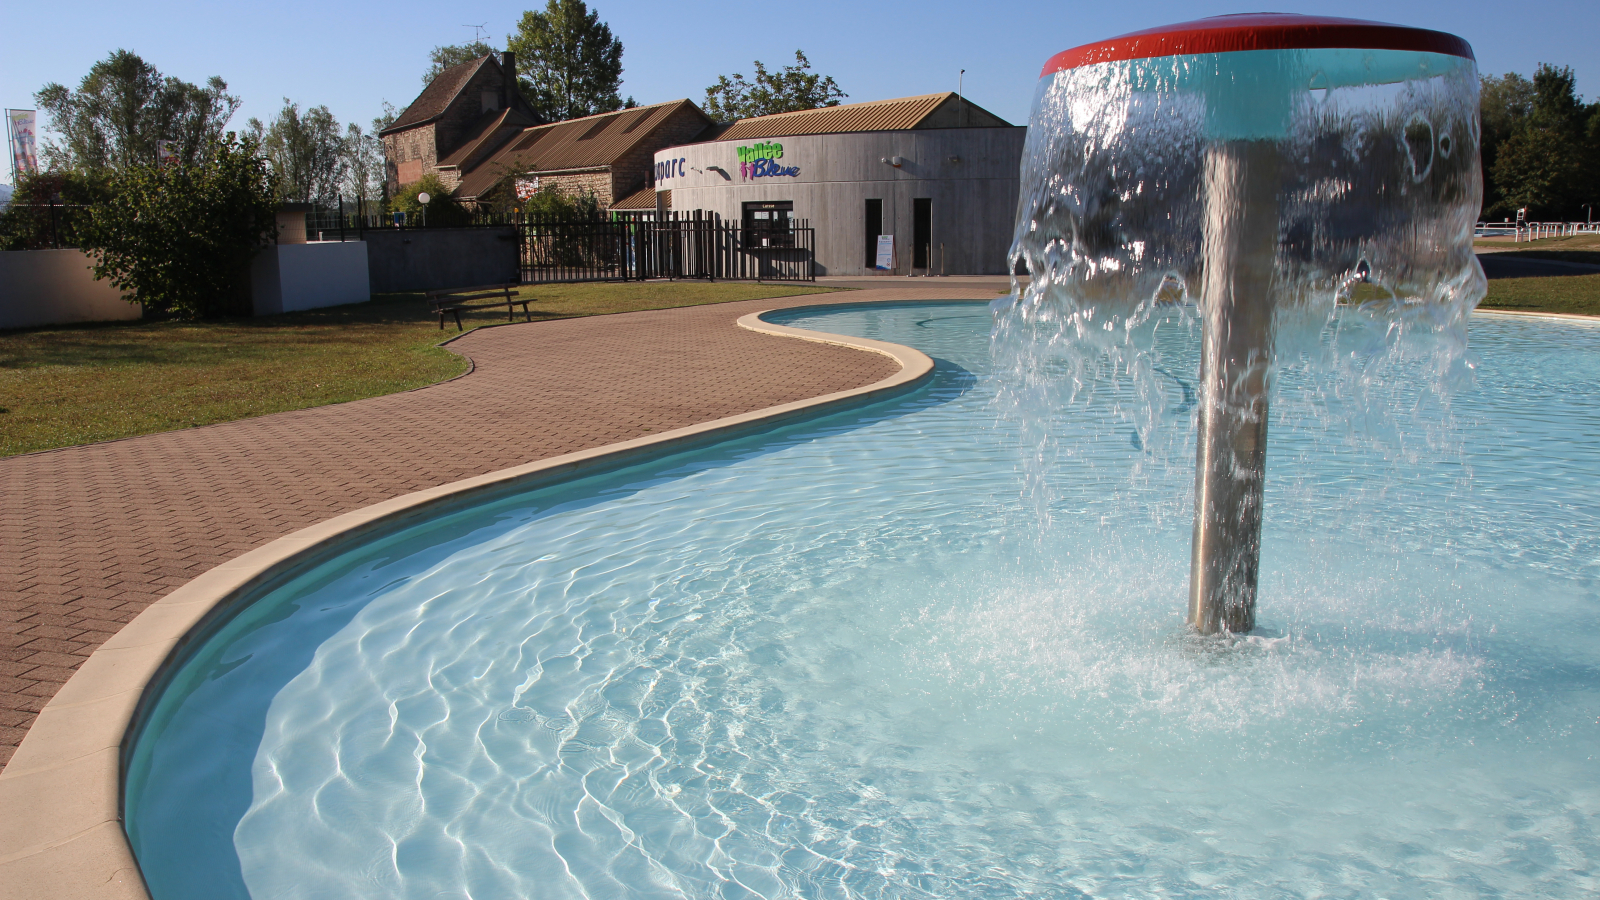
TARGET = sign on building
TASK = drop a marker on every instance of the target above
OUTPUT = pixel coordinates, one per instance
(21, 127)
(885, 252)
(527, 187)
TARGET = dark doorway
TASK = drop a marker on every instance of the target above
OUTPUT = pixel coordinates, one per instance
(766, 223)
(874, 228)
(921, 231)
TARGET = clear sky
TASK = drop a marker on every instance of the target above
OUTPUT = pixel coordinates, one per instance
(352, 56)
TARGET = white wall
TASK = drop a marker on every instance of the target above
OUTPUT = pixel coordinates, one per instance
(289, 277)
(55, 287)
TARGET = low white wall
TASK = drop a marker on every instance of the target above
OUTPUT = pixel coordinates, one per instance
(55, 287)
(289, 277)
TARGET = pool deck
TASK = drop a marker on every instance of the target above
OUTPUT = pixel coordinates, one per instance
(96, 534)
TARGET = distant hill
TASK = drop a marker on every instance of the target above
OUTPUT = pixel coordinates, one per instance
(5, 195)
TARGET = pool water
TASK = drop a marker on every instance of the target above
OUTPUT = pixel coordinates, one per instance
(848, 658)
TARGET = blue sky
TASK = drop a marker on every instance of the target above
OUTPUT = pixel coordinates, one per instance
(354, 56)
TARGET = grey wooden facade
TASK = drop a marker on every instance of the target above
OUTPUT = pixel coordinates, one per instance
(969, 175)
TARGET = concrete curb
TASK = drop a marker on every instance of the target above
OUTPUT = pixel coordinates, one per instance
(61, 829)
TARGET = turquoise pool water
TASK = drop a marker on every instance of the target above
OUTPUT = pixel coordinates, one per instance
(844, 658)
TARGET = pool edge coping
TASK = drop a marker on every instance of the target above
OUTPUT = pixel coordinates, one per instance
(61, 826)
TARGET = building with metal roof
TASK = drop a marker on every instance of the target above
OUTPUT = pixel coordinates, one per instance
(931, 181)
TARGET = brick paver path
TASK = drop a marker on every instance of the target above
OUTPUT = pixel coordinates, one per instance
(92, 535)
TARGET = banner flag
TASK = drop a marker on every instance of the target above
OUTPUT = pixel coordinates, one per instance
(20, 123)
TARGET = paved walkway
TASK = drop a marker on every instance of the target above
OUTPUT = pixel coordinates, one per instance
(95, 534)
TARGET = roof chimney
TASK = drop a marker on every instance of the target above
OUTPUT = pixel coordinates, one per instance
(508, 72)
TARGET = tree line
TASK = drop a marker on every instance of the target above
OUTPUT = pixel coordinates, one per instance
(1541, 147)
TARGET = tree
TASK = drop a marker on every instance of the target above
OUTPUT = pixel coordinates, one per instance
(570, 65)
(308, 153)
(364, 176)
(452, 55)
(123, 107)
(1545, 159)
(790, 89)
(1505, 103)
(50, 209)
(442, 209)
(179, 238)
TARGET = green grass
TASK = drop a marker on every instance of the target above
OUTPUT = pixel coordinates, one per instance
(1578, 294)
(1579, 248)
(64, 386)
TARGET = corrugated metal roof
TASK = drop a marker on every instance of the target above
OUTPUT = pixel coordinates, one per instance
(904, 113)
(644, 198)
(437, 95)
(589, 142)
(483, 131)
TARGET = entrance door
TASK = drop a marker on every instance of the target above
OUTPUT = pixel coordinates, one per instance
(921, 232)
(766, 223)
(874, 228)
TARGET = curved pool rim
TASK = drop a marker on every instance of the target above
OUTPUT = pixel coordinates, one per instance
(62, 793)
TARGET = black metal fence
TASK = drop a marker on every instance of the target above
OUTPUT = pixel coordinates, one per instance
(43, 226)
(696, 247)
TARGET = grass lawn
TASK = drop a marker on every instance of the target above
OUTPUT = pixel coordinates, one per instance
(1564, 294)
(63, 386)
(1579, 248)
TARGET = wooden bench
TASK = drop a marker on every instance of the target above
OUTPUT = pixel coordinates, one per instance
(454, 301)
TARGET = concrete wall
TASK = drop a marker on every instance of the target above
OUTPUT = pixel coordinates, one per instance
(55, 287)
(971, 175)
(289, 277)
(430, 259)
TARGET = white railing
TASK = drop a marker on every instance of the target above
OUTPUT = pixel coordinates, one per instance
(1533, 231)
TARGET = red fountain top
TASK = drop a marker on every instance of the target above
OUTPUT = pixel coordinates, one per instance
(1258, 31)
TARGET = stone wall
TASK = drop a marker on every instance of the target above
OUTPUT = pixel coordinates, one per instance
(636, 169)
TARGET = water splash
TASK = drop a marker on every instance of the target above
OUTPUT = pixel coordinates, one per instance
(1375, 276)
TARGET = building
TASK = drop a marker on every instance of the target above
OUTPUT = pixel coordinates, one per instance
(474, 103)
(936, 173)
(608, 156)
(472, 128)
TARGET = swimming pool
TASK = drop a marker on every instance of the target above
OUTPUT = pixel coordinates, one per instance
(844, 658)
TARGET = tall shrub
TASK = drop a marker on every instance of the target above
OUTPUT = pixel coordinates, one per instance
(179, 239)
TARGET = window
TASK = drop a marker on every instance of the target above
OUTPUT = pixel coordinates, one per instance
(874, 228)
(767, 223)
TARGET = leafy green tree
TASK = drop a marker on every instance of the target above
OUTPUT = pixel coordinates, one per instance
(569, 63)
(179, 238)
(123, 108)
(309, 153)
(1546, 164)
(363, 178)
(443, 209)
(1505, 103)
(550, 203)
(790, 89)
(50, 209)
(451, 55)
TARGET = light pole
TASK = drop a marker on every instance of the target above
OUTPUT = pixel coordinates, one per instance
(423, 198)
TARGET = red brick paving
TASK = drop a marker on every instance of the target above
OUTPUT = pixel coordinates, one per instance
(95, 534)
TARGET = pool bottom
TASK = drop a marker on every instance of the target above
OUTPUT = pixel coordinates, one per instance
(831, 663)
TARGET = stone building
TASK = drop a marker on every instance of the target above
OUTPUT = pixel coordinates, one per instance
(609, 155)
(475, 103)
(472, 128)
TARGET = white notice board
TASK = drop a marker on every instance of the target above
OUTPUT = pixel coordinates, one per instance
(885, 251)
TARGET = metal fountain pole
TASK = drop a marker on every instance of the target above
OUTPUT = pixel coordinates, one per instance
(1241, 237)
